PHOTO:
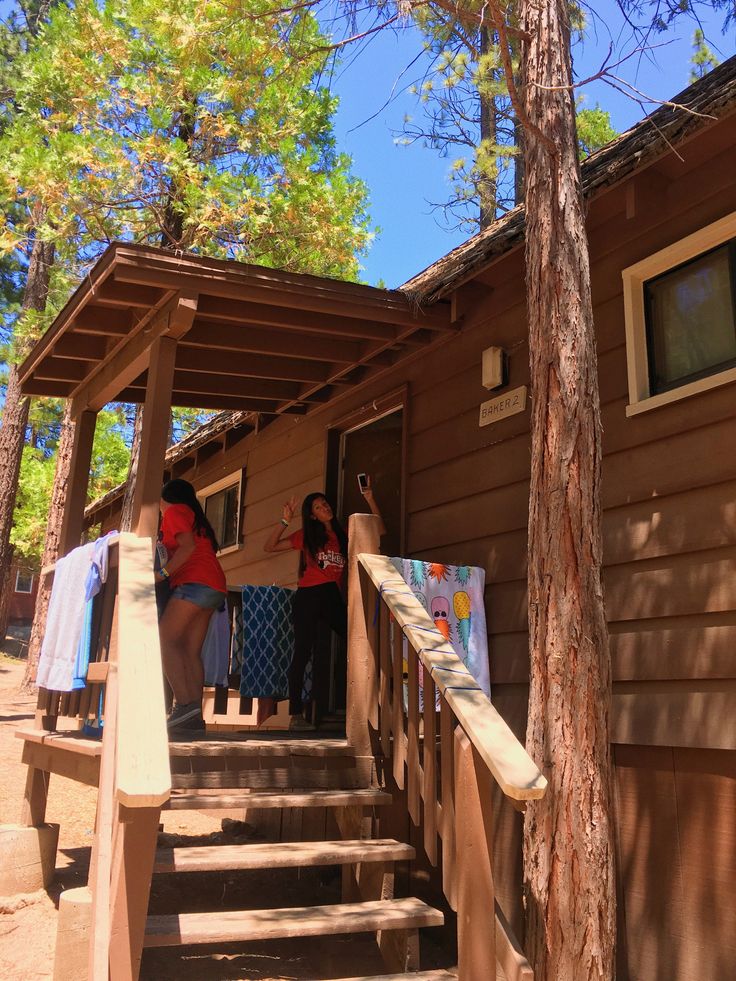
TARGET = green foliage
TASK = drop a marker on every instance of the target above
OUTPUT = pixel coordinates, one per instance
(199, 119)
(110, 453)
(594, 130)
(702, 60)
(32, 503)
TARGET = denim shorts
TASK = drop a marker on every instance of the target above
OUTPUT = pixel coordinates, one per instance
(204, 596)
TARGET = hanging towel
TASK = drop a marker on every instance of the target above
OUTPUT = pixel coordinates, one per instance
(96, 577)
(216, 648)
(65, 620)
(452, 595)
(268, 641)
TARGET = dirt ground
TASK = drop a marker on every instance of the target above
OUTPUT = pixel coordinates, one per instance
(28, 922)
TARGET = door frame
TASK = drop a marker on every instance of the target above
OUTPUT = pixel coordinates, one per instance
(395, 400)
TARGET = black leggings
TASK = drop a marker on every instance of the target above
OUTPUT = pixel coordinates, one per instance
(314, 609)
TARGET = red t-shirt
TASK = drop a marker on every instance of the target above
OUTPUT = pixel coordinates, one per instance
(329, 564)
(202, 565)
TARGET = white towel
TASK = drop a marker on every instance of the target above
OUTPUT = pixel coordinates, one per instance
(65, 620)
(216, 648)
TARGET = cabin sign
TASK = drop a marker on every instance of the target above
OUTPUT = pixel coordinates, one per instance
(504, 405)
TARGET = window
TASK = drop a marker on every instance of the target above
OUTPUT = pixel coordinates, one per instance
(221, 503)
(681, 318)
(23, 582)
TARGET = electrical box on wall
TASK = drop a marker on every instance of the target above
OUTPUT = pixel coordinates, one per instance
(495, 368)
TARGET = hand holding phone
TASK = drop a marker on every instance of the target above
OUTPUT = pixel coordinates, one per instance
(364, 482)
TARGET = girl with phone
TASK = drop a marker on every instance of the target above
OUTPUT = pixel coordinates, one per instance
(323, 549)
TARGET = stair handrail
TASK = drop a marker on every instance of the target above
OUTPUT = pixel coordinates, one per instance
(516, 773)
(135, 774)
(439, 758)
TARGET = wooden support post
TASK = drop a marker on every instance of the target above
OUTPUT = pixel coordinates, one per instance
(33, 812)
(76, 497)
(362, 690)
(154, 437)
(132, 869)
(476, 900)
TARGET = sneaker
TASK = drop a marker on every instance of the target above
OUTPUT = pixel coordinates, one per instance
(299, 724)
(187, 717)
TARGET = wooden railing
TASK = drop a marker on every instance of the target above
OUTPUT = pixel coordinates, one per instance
(134, 775)
(445, 756)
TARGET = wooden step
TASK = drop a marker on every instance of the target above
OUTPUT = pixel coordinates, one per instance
(283, 855)
(421, 976)
(240, 745)
(198, 800)
(224, 926)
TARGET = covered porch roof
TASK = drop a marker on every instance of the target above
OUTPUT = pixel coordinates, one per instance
(247, 337)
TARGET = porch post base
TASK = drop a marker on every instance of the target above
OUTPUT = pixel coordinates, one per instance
(71, 960)
(27, 857)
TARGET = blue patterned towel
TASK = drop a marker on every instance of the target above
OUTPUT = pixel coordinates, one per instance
(268, 641)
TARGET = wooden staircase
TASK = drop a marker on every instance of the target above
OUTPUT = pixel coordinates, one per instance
(298, 778)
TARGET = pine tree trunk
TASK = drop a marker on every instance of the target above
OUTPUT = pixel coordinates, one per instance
(488, 184)
(126, 518)
(15, 416)
(51, 547)
(568, 849)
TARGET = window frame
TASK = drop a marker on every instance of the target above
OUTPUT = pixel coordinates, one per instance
(236, 478)
(634, 277)
(18, 574)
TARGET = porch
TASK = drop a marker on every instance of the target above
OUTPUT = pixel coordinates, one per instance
(164, 330)
(338, 801)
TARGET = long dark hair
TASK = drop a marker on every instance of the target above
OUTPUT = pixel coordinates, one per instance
(315, 533)
(181, 492)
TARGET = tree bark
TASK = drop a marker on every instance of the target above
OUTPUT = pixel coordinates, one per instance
(15, 415)
(568, 848)
(51, 547)
(126, 517)
(488, 184)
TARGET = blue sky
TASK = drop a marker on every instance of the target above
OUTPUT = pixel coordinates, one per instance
(403, 179)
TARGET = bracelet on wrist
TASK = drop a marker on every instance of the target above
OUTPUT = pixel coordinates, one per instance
(164, 572)
(284, 522)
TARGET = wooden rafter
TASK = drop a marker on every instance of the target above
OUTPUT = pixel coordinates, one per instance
(248, 338)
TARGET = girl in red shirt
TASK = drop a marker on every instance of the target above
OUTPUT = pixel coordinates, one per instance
(198, 588)
(323, 549)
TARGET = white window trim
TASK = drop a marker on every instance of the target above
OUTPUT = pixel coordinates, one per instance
(23, 592)
(210, 489)
(634, 278)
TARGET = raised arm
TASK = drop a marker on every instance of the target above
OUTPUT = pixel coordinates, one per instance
(371, 502)
(276, 541)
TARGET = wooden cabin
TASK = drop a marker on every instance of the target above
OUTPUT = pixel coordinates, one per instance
(327, 379)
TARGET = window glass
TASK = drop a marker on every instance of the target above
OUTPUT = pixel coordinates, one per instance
(691, 328)
(23, 582)
(221, 509)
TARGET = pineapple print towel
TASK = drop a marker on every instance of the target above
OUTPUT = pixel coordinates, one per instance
(452, 595)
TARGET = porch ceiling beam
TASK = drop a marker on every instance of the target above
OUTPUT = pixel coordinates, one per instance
(249, 365)
(52, 389)
(101, 320)
(302, 293)
(62, 369)
(197, 400)
(239, 311)
(115, 294)
(259, 388)
(242, 337)
(132, 357)
(82, 347)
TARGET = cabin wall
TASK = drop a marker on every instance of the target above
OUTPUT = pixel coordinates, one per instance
(669, 525)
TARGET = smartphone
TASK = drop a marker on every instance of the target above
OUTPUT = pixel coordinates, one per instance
(363, 482)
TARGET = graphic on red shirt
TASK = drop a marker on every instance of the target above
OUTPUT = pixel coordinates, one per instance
(329, 564)
(202, 565)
